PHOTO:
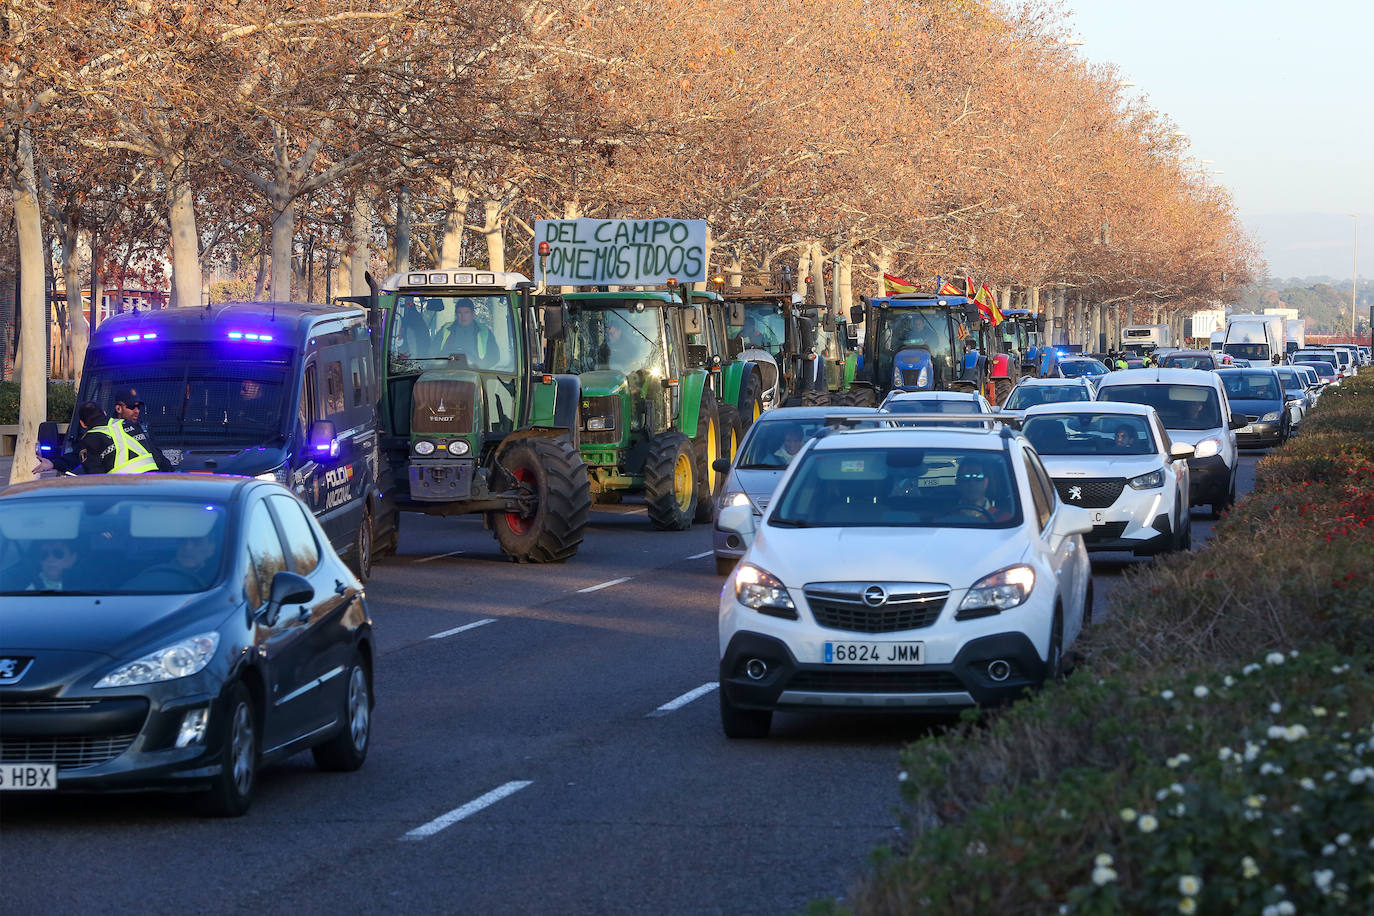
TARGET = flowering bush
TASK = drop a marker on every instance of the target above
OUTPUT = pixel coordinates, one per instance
(1213, 753)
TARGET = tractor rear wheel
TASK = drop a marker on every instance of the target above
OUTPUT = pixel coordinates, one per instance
(750, 400)
(1001, 389)
(813, 398)
(670, 482)
(707, 444)
(551, 471)
(730, 432)
(862, 397)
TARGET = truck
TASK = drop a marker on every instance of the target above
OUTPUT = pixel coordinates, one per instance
(1296, 329)
(1258, 338)
(281, 391)
(1144, 338)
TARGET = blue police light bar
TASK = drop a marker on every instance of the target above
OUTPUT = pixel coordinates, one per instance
(248, 335)
(125, 338)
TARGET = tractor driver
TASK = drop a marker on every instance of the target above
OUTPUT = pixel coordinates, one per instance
(471, 337)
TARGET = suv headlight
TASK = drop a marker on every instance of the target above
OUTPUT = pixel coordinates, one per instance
(1207, 448)
(763, 592)
(1147, 481)
(1001, 591)
(1271, 417)
(180, 659)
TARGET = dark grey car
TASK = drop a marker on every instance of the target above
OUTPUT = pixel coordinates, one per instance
(1259, 396)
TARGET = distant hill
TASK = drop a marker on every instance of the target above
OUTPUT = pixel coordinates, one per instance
(1325, 306)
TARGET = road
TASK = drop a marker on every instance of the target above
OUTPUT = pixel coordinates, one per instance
(546, 740)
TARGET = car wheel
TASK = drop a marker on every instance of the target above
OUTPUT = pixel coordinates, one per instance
(725, 565)
(362, 547)
(239, 738)
(743, 723)
(346, 751)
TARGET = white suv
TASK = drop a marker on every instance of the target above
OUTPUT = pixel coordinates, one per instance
(901, 569)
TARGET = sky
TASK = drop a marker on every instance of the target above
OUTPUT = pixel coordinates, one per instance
(1278, 94)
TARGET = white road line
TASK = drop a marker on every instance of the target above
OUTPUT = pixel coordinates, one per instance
(437, 556)
(683, 700)
(597, 588)
(472, 807)
(698, 556)
(467, 626)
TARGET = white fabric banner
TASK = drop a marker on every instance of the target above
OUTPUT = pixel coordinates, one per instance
(620, 252)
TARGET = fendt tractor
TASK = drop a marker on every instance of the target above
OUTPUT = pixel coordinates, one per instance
(922, 342)
(650, 421)
(472, 421)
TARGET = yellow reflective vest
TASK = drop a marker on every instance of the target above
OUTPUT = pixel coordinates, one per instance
(130, 455)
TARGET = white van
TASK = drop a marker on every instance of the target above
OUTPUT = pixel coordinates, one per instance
(1193, 407)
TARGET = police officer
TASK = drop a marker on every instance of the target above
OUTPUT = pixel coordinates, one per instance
(129, 408)
(106, 447)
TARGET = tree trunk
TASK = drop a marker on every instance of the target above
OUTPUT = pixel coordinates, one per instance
(181, 218)
(818, 274)
(283, 240)
(97, 281)
(451, 245)
(496, 239)
(400, 250)
(33, 376)
(803, 271)
(884, 266)
(76, 321)
(359, 249)
(260, 281)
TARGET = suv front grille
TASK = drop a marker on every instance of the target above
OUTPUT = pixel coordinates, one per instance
(908, 605)
(604, 407)
(1096, 493)
(875, 682)
(1109, 531)
(68, 753)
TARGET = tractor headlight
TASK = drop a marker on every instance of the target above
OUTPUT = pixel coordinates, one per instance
(424, 447)
(458, 447)
(600, 424)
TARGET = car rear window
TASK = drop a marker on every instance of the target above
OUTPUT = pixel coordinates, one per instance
(1178, 406)
(1188, 362)
(1250, 386)
(1024, 396)
(901, 487)
(1090, 434)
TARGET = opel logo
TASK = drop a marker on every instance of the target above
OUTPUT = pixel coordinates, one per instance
(875, 596)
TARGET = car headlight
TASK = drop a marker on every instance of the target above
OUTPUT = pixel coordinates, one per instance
(458, 447)
(180, 659)
(1271, 417)
(761, 591)
(1148, 481)
(424, 447)
(1207, 448)
(734, 498)
(277, 474)
(1001, 591)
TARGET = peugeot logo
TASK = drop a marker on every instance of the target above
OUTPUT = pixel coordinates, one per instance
(875, 596)
(12, 669)
(1076, 493)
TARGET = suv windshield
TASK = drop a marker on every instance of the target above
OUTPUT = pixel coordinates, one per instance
(907, 327)
(1023, 396)
(476, 330)
(1090, 434)
(623, 339)
(110, 545)
(899, 487)
(1179, 406)
(763, 327)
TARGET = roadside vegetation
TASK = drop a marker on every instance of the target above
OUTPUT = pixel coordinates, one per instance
(1214, 750)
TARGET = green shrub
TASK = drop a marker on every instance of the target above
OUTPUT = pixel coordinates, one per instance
(61, 402)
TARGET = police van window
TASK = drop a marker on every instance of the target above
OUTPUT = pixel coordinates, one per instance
(300, 537)
(309, 399)
(359, 381)
(264, 555)
(333, 388)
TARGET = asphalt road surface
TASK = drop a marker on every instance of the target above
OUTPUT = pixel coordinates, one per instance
(546, 740)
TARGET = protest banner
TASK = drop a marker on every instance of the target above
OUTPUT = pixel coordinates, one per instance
(620, 252)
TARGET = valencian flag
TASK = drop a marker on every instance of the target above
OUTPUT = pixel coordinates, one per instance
(987, 304)
(946, 288)
(893, 285)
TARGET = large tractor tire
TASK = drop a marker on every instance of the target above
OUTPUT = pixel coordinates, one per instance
(1001, 390)
(670, 486)
(863, 397)
(552, 470)
(813, 398)
(730, 433)
(750, 400)
(707, 444)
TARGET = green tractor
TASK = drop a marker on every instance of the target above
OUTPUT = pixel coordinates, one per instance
(471, 421)
(737, 378)
(650, 417)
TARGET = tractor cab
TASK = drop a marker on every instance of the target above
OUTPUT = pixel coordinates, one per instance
(916, 342)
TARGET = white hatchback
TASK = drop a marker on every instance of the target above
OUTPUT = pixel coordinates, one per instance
(901, 569)
(1117, 461)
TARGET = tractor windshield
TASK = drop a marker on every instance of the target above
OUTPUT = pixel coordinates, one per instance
(622, 339)
(476, 330)
(899, 329)
(763, 328)
(1014, 337)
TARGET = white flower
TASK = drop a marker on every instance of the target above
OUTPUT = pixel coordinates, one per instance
(1293, 653)
(1225, 753)
(1104, 860)
(1319, 711)
(1166, 694)
(1307, 783)
(1329, 775)
(1187, 906)
(1250, 668)
(1200, 691)
(1255, 801)
(1161, 795)
(1248, 868)
(1270, 910)
(1275, 731)
(1329, 849)
(1275, 708)
(1343, 839)
(1180, 809)
(1322, 877)
(902, 777)
(1176, 788)
(1274, 658)
(1284, 908)
(1128, 815)
(1228, 681)
(1358, 775)
(1148, 823)
(1295, 732)
(1172, 763)
(1251, 751)
(1103, 875)
(1189, 885)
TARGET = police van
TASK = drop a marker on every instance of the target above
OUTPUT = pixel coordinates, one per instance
(280, 391)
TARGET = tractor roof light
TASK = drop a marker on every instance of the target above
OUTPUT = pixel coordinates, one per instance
(544, 249)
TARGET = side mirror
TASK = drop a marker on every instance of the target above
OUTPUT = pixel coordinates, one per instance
(1072, 520)
(721, 465)
(49, 439)
(323, 442)
(829, 322)
(738, 520)
(691, 320)
(287, 588)
(555, 322)
(736, 316)
(971, 314)
(856, 314)
(1237, 422)
(1180, 450)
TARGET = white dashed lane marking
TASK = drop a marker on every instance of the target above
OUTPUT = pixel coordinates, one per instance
(471, 808)
(600, 586)
(437, 556)
(702, 555)
(683, 700)
(467, 626)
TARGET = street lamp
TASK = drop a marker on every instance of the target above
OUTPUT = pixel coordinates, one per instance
(1354, 272)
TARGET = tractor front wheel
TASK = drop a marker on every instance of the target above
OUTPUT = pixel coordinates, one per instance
(707, 445)
(670, 482)
(551, 471)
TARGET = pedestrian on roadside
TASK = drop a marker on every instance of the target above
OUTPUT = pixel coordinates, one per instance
(128, 407)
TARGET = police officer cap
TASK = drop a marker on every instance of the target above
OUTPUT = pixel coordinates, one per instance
(128, 397)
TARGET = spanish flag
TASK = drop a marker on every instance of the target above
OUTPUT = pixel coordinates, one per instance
(987, 304)
(893, 285)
